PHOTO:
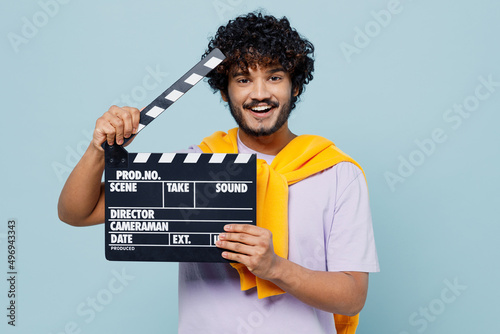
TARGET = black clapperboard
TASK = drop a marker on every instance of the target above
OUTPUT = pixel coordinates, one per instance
(172, 206)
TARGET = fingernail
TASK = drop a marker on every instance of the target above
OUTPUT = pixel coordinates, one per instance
(227, 227)
(222, 236)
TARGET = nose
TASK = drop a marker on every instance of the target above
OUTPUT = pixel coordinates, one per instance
(260, 90)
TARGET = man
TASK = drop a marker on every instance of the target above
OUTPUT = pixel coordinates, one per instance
(311, 251)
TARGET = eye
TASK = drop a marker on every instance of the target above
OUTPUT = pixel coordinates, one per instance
(275, 78)
(242, 81)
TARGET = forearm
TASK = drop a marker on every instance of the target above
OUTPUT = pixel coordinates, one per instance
(335, 292)
(81, 201)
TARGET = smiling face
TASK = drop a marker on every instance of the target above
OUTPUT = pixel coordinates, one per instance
(260, 99)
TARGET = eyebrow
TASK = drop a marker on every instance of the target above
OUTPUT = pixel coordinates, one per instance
(276, 69)
(270, 71)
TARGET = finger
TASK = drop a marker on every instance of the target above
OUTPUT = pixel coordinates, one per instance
(99, 136)
(103, 131)
(245, 228)
(235, 257)
(235, 247)
(117, 117)
(116, 134)
(130, 118)
(126, 120)
(242, 238)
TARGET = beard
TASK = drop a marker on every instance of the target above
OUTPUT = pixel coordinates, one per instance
(283, 116)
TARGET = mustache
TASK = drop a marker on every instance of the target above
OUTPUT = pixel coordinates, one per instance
(255, 103)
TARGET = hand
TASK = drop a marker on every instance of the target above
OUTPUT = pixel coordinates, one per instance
(252, 246)
(115, 125)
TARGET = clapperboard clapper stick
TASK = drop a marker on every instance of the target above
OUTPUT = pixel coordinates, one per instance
(172, 206)
(116, 155)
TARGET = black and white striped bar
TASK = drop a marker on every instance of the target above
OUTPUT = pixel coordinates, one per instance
(162, 158)
(180, 87)
(172, 206)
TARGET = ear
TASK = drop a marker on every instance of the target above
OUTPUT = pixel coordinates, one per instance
(224, 96)
(295, 91)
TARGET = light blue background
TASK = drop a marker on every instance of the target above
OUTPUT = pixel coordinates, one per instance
(438, 227)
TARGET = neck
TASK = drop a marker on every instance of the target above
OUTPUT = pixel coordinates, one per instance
(271, 144)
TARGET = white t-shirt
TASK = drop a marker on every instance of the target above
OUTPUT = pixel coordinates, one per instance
(330, 229)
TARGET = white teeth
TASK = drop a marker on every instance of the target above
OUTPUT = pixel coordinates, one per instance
(261, 108)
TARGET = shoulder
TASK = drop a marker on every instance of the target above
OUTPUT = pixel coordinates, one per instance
(344, 173)
(347, 170)
(332, 182)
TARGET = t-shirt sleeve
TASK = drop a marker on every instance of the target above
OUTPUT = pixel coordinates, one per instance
(351, 243)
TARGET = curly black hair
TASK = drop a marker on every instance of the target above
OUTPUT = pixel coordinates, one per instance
(255, 39)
